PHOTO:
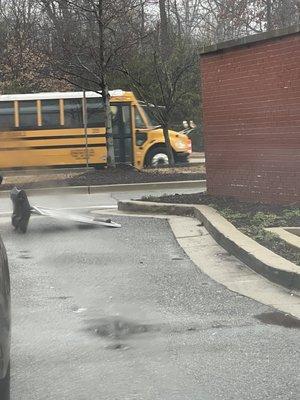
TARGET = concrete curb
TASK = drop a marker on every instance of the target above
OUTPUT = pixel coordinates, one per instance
(255, 256)
(113, 188)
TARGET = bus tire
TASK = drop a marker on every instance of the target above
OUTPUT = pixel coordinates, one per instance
(157, 157)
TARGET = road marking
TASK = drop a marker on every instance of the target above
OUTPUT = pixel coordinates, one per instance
(5, 213)
(87, 207)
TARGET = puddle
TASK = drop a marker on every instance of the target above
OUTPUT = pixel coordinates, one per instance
(119, 328)
(280, 319)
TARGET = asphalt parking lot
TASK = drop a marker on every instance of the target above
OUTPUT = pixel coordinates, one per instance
(124, 314)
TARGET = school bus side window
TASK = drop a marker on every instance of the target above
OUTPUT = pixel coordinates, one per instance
(50, 113)
(7, 119)
(73, 113)
(95, 113)
(28, 114)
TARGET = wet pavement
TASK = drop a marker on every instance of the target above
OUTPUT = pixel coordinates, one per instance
(279, 319)
(117, 314)
(88, 201)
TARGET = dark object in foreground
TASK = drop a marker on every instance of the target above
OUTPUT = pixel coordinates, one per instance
(5, 325)
(22, 212)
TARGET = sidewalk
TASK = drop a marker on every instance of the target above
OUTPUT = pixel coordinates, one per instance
(197, 158)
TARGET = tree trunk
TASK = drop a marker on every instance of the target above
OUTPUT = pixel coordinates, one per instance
(269, 15)
(104, 89)
(168, 146)
(111, 162)
(164, 28)
(143, 25)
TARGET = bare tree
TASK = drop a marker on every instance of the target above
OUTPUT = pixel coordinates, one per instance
(88, 38)
(164, 27)
(17, 23)
(228, 19)
(161, 77)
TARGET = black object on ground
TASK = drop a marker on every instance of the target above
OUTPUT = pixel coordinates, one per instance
(21, 210)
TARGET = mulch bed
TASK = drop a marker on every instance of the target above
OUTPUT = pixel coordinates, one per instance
(102, 177)
(223, 202)
(250, 218)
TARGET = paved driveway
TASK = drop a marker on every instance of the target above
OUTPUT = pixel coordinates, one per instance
(100, 200)
(123, 314)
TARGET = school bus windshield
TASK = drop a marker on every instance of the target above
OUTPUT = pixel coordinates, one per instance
(148, 109)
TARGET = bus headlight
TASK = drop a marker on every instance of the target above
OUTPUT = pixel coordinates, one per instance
(181, 145)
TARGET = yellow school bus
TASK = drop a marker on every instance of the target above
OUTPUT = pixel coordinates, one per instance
(47, 130)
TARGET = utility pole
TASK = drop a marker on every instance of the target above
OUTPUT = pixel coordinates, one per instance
(84, 108)
(85, 123)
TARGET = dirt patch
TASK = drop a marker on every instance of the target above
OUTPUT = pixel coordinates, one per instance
(101, 177)
(250, 218)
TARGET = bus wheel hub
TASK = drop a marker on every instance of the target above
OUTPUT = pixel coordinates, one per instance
(159, 159)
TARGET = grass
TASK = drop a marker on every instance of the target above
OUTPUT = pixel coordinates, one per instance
(254, 224)
(249, 218)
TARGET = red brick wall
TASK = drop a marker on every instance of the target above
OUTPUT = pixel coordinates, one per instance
(251, 117)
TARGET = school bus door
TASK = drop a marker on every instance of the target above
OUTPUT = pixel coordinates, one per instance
(122, 132)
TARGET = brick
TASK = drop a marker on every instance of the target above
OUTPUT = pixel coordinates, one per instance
(251, 108)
